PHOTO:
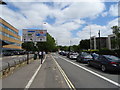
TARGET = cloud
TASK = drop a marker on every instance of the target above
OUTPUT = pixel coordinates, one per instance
(105, 30)
(69, 17)
(104, 14)
(114, 10)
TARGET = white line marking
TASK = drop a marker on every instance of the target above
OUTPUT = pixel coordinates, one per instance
(69, 83)
(109, 80)
(33, 77)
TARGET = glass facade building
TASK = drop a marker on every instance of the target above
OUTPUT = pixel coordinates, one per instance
(9, 35)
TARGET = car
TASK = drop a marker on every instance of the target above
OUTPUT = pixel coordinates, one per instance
(68, 54)
(84, 57)
(106, 63)
(95, 56)
(8, 54)
(73, 55)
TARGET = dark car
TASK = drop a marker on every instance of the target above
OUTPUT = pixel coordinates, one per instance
(95, 56)
(106, 62)
(84, 57)
(8, 54)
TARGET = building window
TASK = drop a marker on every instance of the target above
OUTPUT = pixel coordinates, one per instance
(12, 43)
(10, 36)
(8, 28)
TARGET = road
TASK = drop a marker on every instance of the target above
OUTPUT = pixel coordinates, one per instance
(82, 78)
(60, 72)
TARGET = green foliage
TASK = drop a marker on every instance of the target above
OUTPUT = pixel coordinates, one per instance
(116, 31)
(64, 48)
(75, 48)
(84, 44)
(49, 45)
(29, 46)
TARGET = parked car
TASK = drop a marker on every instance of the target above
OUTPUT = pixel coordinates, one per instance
(84, 57)
(106, 62)
(7, 53)
(73, 55)
(95, 56)
(68, 54)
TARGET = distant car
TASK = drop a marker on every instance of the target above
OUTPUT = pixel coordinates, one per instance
(84, 57)
(106, 62)
(8, 54)
(73, 55)
(68, 54)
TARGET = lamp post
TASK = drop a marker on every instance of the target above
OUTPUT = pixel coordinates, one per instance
(99, 40)
(90, 38)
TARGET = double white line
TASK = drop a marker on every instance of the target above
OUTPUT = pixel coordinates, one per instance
(71, 86)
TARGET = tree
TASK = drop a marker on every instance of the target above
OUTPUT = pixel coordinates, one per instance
(29, 46)
(84, 44)
(116, 31)
(64, 48)
(75, 48)
(49, 45)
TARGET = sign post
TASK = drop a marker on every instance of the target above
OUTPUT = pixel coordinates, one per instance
(33, 35)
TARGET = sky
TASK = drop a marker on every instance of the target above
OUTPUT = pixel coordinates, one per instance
(65, 21)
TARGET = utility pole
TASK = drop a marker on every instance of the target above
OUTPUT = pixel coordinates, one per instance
(90, 40)
(99, 40)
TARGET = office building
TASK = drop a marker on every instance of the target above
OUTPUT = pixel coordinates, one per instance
(9, 36)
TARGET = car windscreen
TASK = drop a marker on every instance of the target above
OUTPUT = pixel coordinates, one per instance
(86, 54)
(112, 58)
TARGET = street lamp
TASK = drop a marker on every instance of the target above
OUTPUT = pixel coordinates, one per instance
(99, 40)
(90, 38)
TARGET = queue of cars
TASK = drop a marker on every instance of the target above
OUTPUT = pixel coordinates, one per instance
(103, 62)
(11, 53)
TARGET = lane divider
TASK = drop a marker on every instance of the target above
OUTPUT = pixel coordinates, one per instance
(33, 77)
(94, 73)
(69, 83)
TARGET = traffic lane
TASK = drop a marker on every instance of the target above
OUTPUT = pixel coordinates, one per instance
(81, 78)
(115, 76)
(49, 76)
(20, 76)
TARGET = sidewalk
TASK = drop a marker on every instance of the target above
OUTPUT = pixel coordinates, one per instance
(48, 76)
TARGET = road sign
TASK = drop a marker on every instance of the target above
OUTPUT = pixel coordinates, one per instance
(34, 35)
(41, 35)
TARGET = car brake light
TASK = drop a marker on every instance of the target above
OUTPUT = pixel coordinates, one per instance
(113, 63)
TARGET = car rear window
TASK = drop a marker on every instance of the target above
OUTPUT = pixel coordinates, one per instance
(113, 58)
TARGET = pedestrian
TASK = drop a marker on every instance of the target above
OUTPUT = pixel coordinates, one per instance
(41, 56)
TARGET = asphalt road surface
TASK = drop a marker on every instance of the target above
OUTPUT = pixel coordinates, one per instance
(60, 72)
(83, 76)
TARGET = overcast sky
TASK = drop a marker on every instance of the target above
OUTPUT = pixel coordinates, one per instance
(65, 21)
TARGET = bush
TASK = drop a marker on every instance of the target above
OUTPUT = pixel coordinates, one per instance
(106, 52)
(117, 52)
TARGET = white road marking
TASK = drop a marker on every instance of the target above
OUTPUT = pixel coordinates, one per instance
(100, 76)
(69, 83)
(33, 77)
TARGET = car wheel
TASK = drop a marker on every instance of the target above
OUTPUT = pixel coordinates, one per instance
(76, 60)
(103, 68)
(89, 63)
